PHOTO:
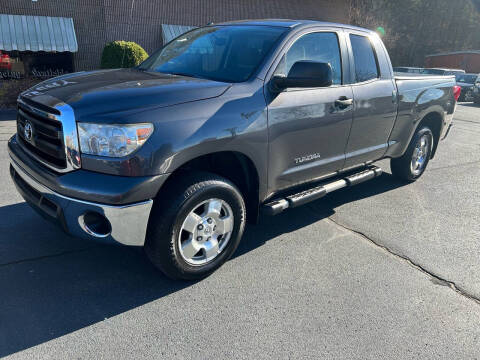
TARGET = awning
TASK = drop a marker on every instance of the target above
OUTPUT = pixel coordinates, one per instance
(37, 33)
(170, 32)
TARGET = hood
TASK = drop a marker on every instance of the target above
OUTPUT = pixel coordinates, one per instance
(116, 91)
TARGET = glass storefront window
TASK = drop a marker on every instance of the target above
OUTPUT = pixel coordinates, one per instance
(39, 65)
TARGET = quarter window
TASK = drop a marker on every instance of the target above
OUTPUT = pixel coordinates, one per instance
(320, 47)
(366, 67)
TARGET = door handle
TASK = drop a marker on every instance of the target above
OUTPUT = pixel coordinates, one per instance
(343, 102)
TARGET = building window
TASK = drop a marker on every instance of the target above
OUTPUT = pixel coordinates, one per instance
(39, 65)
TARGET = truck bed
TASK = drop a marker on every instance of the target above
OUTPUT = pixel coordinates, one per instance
(418, 95)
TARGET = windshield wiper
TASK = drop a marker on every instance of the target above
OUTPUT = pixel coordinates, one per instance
(195, 76)
(182, 74)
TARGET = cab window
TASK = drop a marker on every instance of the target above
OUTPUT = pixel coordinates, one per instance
(319, 47)
(365, 60)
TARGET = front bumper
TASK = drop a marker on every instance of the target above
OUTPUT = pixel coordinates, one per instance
(128, 223)
(88, 185)
(476, 93)
(121, 202)
(467, 93)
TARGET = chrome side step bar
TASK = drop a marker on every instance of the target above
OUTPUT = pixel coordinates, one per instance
(277, 206)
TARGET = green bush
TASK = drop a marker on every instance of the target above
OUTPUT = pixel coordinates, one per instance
(122, 54)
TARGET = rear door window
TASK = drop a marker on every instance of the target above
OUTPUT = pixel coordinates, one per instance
(365, 60)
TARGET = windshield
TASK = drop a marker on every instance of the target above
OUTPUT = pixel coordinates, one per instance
(469, 79)
(433, 71)
(454, 72)
(222, 53)
(408, 70)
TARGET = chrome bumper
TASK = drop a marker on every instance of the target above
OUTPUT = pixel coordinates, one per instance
(128, 223)
(447, 125)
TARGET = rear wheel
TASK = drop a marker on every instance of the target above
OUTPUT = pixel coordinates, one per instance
(196, 227)
(413, 163)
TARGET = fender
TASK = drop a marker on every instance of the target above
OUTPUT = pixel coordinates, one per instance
(417, 106)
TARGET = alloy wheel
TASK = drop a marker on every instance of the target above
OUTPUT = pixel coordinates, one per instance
(205, 232)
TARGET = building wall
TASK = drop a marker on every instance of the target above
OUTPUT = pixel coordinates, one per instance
(100, 21)
(468, 62)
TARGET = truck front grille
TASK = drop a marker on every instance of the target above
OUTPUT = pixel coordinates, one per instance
(41, 133)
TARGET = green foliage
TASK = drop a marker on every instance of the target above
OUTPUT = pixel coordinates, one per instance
(122, 54)
(416, 28)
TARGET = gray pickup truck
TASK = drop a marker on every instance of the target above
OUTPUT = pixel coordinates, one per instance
(222, 123)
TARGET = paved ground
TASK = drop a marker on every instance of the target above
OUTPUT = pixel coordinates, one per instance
(382, 270)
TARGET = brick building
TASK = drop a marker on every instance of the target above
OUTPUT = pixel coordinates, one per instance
(465, 60)
(97, 22)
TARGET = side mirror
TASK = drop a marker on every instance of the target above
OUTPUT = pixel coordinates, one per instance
(305, 74)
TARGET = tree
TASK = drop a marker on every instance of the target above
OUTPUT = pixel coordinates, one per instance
(415, 28)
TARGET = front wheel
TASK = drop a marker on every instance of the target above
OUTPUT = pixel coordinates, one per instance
(196, 227)
(411, 165)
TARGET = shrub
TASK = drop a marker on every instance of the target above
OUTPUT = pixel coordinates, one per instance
(122, 54)
(10, 89)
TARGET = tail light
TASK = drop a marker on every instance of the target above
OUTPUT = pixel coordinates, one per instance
(457, 90)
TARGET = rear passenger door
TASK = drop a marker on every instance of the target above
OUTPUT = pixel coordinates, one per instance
(374, 94)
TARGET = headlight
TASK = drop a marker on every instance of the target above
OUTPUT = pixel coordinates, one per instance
(112, 140)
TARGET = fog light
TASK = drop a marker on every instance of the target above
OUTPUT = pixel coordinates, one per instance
(95, 224)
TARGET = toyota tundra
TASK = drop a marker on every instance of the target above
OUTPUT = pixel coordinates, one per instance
(223, 123)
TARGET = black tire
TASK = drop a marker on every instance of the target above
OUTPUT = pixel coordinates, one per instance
(476, 100)
(169, 213)
(402, 167)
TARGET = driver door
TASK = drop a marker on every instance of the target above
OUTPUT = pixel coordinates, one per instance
(309, 127)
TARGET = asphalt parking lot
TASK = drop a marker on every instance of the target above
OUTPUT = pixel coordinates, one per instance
(382, 270)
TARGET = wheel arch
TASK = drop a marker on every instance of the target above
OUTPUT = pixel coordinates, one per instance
(232, 165)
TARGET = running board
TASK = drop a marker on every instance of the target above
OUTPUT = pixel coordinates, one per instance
(277, 206)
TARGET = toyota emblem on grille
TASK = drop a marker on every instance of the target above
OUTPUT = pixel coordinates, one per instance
(28, 131)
